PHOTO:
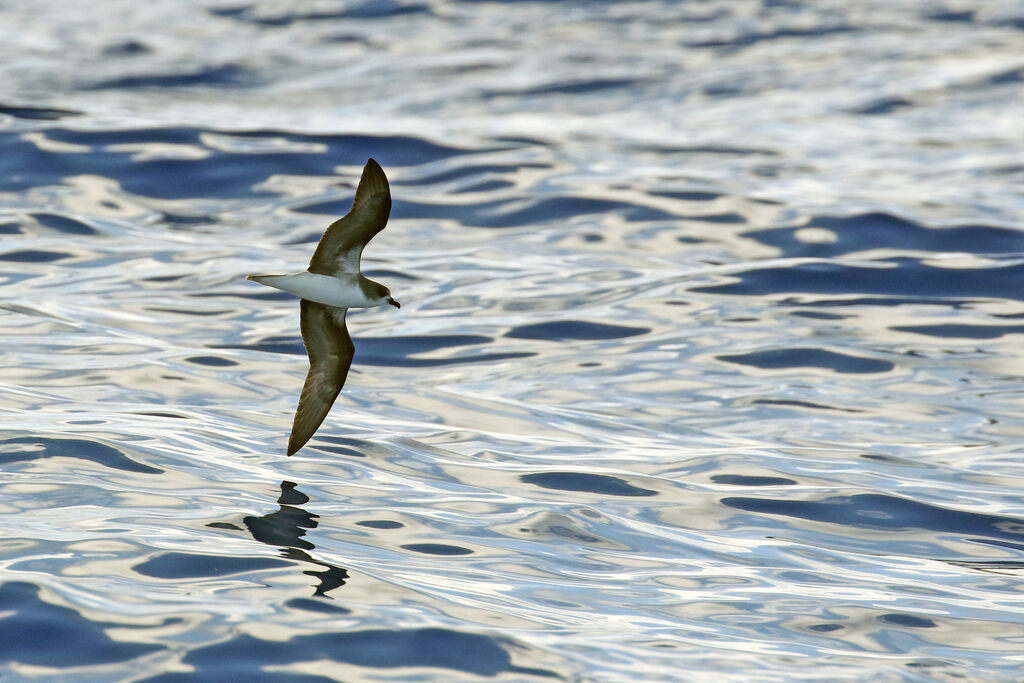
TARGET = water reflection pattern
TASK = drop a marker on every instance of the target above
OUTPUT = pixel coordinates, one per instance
(711, 371)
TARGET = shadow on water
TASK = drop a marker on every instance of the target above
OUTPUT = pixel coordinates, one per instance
(282, 529)
(285, 529)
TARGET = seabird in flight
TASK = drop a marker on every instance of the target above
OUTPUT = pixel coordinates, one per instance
(331, 286)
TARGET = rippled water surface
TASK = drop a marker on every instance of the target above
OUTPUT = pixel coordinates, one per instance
(708, 366)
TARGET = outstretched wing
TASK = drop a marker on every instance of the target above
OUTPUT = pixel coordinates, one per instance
(342, 244)
(330, 351)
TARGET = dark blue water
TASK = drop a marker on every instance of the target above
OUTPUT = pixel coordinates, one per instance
(708, 365)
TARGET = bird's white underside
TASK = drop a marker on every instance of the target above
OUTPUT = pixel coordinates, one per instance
(340, 290)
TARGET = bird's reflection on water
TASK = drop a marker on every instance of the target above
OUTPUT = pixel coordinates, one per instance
(285, 529)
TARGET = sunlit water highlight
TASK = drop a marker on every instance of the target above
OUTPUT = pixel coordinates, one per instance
(708, 365)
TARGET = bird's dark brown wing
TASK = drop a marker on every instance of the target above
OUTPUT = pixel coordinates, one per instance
(330, 351)
(343, 241)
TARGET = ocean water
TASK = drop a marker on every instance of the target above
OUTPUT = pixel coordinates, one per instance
(708, 366)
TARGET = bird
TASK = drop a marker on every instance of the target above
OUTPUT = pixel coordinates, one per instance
(330, 286)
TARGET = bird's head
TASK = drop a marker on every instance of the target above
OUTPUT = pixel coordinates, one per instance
(380, 294)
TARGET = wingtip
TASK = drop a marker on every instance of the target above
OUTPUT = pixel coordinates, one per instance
(373, 190)
(373, 179)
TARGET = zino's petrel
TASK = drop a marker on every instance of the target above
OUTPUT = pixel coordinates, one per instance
(331, 286)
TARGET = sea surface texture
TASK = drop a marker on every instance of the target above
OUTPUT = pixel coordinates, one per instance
(709, 366)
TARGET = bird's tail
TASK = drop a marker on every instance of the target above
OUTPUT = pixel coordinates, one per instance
(260, 278)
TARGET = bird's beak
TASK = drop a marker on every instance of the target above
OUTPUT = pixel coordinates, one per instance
(394, 303)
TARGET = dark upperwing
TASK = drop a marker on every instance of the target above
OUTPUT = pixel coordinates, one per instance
(344, 239)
